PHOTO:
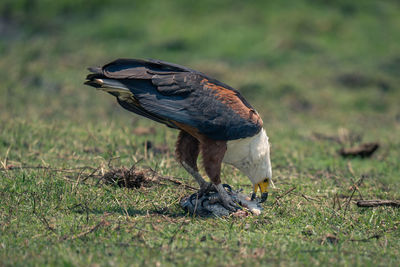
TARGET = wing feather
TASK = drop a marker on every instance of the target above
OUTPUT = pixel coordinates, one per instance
(169, 93)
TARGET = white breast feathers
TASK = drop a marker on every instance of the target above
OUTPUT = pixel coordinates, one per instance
(251, 155)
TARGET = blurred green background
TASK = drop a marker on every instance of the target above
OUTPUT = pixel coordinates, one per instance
(333, 61)
(315, 70)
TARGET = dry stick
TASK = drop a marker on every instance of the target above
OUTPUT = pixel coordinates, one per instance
(284, 194)
(309, 197)
(91, 174)
(378, 202)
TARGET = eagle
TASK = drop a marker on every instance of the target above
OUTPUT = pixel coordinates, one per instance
(213, 118)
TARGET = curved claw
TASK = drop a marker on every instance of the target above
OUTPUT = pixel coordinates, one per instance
(231, 206)
(207, 188)
(228, 187)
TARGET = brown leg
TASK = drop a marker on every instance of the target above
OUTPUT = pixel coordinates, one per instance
(187, 152)
(213, 153)
(187, 149)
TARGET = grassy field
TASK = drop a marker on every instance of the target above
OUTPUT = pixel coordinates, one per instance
(323, 75)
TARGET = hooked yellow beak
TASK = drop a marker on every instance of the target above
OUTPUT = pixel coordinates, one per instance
(263, 188)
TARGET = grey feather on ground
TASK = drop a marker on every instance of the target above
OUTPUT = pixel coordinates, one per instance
(209, 205)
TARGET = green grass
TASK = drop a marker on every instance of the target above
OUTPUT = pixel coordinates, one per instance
(287, 57)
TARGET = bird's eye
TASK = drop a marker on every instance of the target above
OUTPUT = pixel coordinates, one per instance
(265, 180)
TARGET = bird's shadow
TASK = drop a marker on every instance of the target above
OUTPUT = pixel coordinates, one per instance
(135, 212)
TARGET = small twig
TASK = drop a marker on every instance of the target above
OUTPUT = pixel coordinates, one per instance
(287, 192)
(284, 194)
(308, 198)
(91, 174)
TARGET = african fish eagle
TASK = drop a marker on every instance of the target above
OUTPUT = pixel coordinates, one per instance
(213, 118)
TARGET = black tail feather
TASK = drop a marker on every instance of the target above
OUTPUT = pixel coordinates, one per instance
(92, 83)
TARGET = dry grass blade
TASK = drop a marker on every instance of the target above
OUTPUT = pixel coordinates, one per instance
(355, 188)
(46, 223)
(103, 222)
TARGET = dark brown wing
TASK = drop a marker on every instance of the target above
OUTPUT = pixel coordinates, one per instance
(183, 97)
